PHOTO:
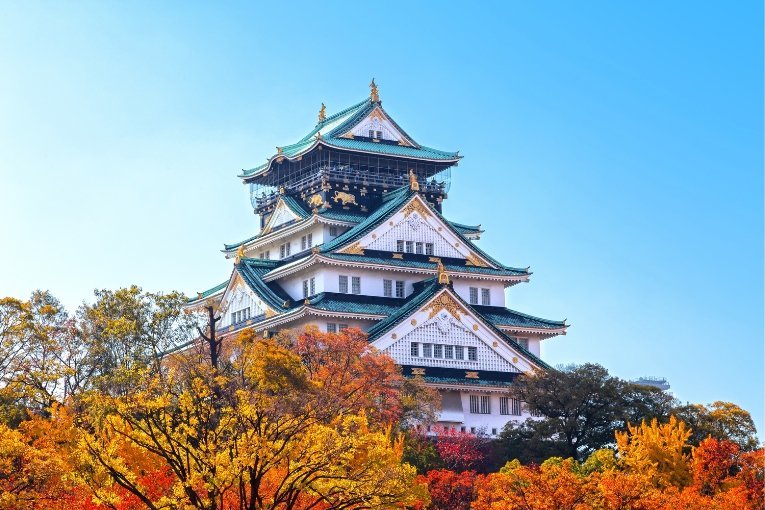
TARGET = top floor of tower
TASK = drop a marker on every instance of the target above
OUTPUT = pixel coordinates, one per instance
(349, 161)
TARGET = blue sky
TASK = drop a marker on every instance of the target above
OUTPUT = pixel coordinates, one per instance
(616, 147)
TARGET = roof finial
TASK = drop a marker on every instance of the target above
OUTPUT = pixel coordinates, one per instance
(374, 95)
(322, 113)
(239, 253)
(413, 184)
(443, 276)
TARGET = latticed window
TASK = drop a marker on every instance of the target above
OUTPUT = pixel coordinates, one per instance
(474, 405)
(428, 248)
(472, 353)
(473, 295)
(415, 349)
(343, 284)
(356, 284)
(485, 404)
(387, 288)
(485, 297)
(399, 288)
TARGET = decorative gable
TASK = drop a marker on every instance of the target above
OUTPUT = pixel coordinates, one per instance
(416, 223)
(378, 126)
(239, 296)
(282, 214)
(442, 328)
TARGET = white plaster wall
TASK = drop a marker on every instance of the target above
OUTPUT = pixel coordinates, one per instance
(496, 290)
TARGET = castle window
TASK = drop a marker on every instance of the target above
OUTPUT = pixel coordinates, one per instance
(333, 230)
(427, 350)
(428, 248)
(473, 295)
(399, 245)
(343, 284)
(485, 297)
(414, 349)
(418, 248)
(356, 285)
(449, 351)
(388, 288)
(459, 352)
(474, 406)
(438, 351)
(485, 404)
(399, 289)
(331, 327)
(410, 246)
(472, 353)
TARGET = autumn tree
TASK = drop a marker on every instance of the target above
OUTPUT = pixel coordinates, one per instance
(293, 427)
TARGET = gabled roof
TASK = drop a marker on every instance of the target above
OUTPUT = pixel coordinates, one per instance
(333, 132)
(424, 292)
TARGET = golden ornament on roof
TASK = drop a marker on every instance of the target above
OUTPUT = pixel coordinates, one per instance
(374, 94)
(322, 113)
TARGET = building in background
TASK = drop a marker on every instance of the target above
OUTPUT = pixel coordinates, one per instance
(353, 234)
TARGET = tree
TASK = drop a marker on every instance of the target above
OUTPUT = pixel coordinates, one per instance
(291, 428)
(657, 450)
(721, 420)
(580, 407)
(450, 490)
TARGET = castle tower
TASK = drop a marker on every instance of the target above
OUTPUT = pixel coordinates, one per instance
(352, 234)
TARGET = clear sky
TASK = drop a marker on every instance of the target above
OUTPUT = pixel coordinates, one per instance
(615, 147)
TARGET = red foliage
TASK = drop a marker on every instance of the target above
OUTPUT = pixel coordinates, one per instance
(450, 490)
(460, 451)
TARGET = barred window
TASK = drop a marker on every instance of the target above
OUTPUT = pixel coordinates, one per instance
(399, 288)
(356, 285)
(504, 407)
(485, 404)
(485, 297)
(415, 349)
(331, 327)
(427, 350)
(473, 295)
(388, 288)
(472, 353)
(438, 351)
(428, 248)
(474, 406)
(343, 284)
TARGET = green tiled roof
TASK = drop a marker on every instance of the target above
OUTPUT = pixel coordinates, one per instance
(372, 258)
(350, 303)
(505, 317)
(340, 123)
(252, 271)
(209, 292)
